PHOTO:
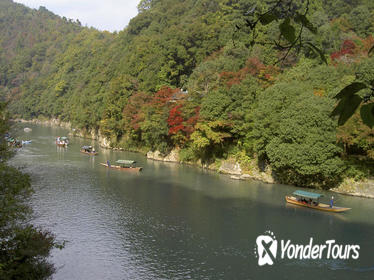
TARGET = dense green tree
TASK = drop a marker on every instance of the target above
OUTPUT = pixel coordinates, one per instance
(300, 147)
(208, 140)
(24, 248)
(360, 18)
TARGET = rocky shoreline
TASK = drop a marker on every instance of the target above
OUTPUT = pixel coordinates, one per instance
(353, 188)
(230, 167)
(92, 134)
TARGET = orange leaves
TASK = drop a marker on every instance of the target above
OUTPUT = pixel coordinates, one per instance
(253, 67)
(319, 92)
(162, 97)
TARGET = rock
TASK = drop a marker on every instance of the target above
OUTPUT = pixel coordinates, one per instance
(229, 167)
(156, 155)
(363, 188)
(104, 142)
(235, 177)
(173, 156)
(27, 129)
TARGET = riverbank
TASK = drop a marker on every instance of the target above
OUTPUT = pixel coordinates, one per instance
(354, 188)
(87, 134)
(230, 166)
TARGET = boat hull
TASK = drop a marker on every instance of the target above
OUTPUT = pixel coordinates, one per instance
(88, 153)
(61, 144)
(320, 206)
(130, 169)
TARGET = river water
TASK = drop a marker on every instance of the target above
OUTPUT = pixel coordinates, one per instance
(175, 221)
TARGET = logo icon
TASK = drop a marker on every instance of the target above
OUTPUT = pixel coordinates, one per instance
(266, 248)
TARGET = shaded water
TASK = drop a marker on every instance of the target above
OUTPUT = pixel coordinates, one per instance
(176, 222)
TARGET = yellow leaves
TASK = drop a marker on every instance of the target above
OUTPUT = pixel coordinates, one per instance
(212, 131)
(319, 92)
(61, 88)
(370, 154)
(198, 140)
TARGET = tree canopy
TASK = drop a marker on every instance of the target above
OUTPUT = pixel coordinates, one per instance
(290, 85)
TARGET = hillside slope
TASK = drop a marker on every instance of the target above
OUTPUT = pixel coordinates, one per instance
(235, 103)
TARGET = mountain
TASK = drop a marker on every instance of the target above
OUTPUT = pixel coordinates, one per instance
(190, 75)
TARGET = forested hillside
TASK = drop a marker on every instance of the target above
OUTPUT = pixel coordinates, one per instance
(187, 75)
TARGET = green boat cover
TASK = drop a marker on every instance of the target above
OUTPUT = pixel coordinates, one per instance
(125, 161)
(307, 194)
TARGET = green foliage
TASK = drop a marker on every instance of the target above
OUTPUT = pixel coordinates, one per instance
(358, 169)
(367, 114)
(209, 138)
(349, 102)
(287, 30)
(359, 17)
(300, 147)
(350, 99)
(214, 104)
(5, 153)
(24, 248)
(357, 138)
(222, 53)
(187, 155)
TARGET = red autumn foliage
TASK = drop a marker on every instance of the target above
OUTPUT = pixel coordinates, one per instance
(347, 49)
(135, 110)
(162, 97)
(253, 67)
(175, 120)
(231, 78)
(348, 45)
(177, 123)
(132, 112)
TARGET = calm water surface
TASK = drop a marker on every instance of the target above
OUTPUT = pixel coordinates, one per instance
(176, 222)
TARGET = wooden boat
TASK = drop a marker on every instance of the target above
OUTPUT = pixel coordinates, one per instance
(126, 165)
(61, 144)
(89, 150)
(311, 200)
(62, 141)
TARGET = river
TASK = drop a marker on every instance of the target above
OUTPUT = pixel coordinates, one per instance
(176, 221)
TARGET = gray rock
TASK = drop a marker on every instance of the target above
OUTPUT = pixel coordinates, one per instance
(229, 167)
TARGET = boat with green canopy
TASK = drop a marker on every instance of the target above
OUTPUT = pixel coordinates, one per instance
(311, 200)
(124, 164)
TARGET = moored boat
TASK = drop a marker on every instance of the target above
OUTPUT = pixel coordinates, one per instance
(89, 150)
(311, 200)
(126, 165)
(12, 142)
(62, 141)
